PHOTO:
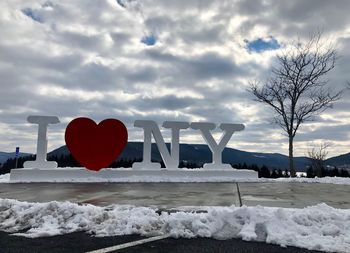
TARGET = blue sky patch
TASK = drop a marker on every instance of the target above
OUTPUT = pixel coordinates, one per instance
(126, 3)
(122, 3)
(260, 45)
(149, 40)
(32, 14)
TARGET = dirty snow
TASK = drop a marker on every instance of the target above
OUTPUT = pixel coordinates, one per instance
(319, 227)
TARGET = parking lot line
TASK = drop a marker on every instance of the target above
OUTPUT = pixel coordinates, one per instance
(129, 244)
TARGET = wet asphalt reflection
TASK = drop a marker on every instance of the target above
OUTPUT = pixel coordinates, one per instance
(172, 195)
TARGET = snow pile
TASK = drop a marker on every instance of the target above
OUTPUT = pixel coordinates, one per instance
(319, 227)
(325, 180)
(322, 180)
(5, 178)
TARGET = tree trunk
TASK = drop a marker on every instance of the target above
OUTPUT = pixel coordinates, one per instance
(319, 166)
(291, 160)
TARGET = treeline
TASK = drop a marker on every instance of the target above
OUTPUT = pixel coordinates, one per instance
(62, 161)
(11, 163)
(263, 171)
(331, 172)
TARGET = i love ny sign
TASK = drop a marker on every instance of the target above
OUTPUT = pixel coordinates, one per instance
(96, 146)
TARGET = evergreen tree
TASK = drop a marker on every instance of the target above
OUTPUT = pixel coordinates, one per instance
(274, 174)
(255, 167)
(344, 173)
(334, 172)
(279, 173)
(264, 172)
(286, 173)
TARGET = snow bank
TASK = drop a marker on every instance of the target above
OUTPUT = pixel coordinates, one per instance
(322, 180)
(319, 227)
(325, 180)
(5, 178)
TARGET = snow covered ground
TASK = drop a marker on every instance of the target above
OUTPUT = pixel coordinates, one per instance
(327, 180)
(324, 180)
(319, 227)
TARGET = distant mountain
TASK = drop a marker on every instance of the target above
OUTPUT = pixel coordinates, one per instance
(200, 153)
(63, 150)
(341, 160)
(6, 155)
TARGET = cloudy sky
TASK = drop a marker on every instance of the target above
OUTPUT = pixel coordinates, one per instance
(162, 60)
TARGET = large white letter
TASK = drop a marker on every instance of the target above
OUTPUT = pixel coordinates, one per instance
(215, 148)
(41, 151)
(150, 128)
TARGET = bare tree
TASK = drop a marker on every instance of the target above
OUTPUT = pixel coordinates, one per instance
(296, 89)
(317, 157)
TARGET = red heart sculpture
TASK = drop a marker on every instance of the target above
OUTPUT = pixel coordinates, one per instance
(96, 146)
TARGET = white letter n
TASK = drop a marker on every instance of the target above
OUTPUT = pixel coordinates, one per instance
(171, 160)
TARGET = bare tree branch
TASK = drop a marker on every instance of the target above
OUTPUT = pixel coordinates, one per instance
(297, 89)
(317, 157)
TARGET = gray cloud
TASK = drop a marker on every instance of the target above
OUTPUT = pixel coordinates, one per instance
(28, 57)
(336, 132)
(169, 102)
(206, 66)
(297, 18)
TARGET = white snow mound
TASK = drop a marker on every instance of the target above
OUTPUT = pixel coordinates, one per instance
(319, 227)
(5, 178)
(323, 180)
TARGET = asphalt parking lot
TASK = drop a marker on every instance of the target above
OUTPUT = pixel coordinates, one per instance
(82, 242)
(172, 195)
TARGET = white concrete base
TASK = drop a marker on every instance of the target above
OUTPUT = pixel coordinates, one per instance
(130, 175)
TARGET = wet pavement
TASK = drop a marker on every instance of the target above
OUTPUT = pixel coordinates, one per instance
(172, 195)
